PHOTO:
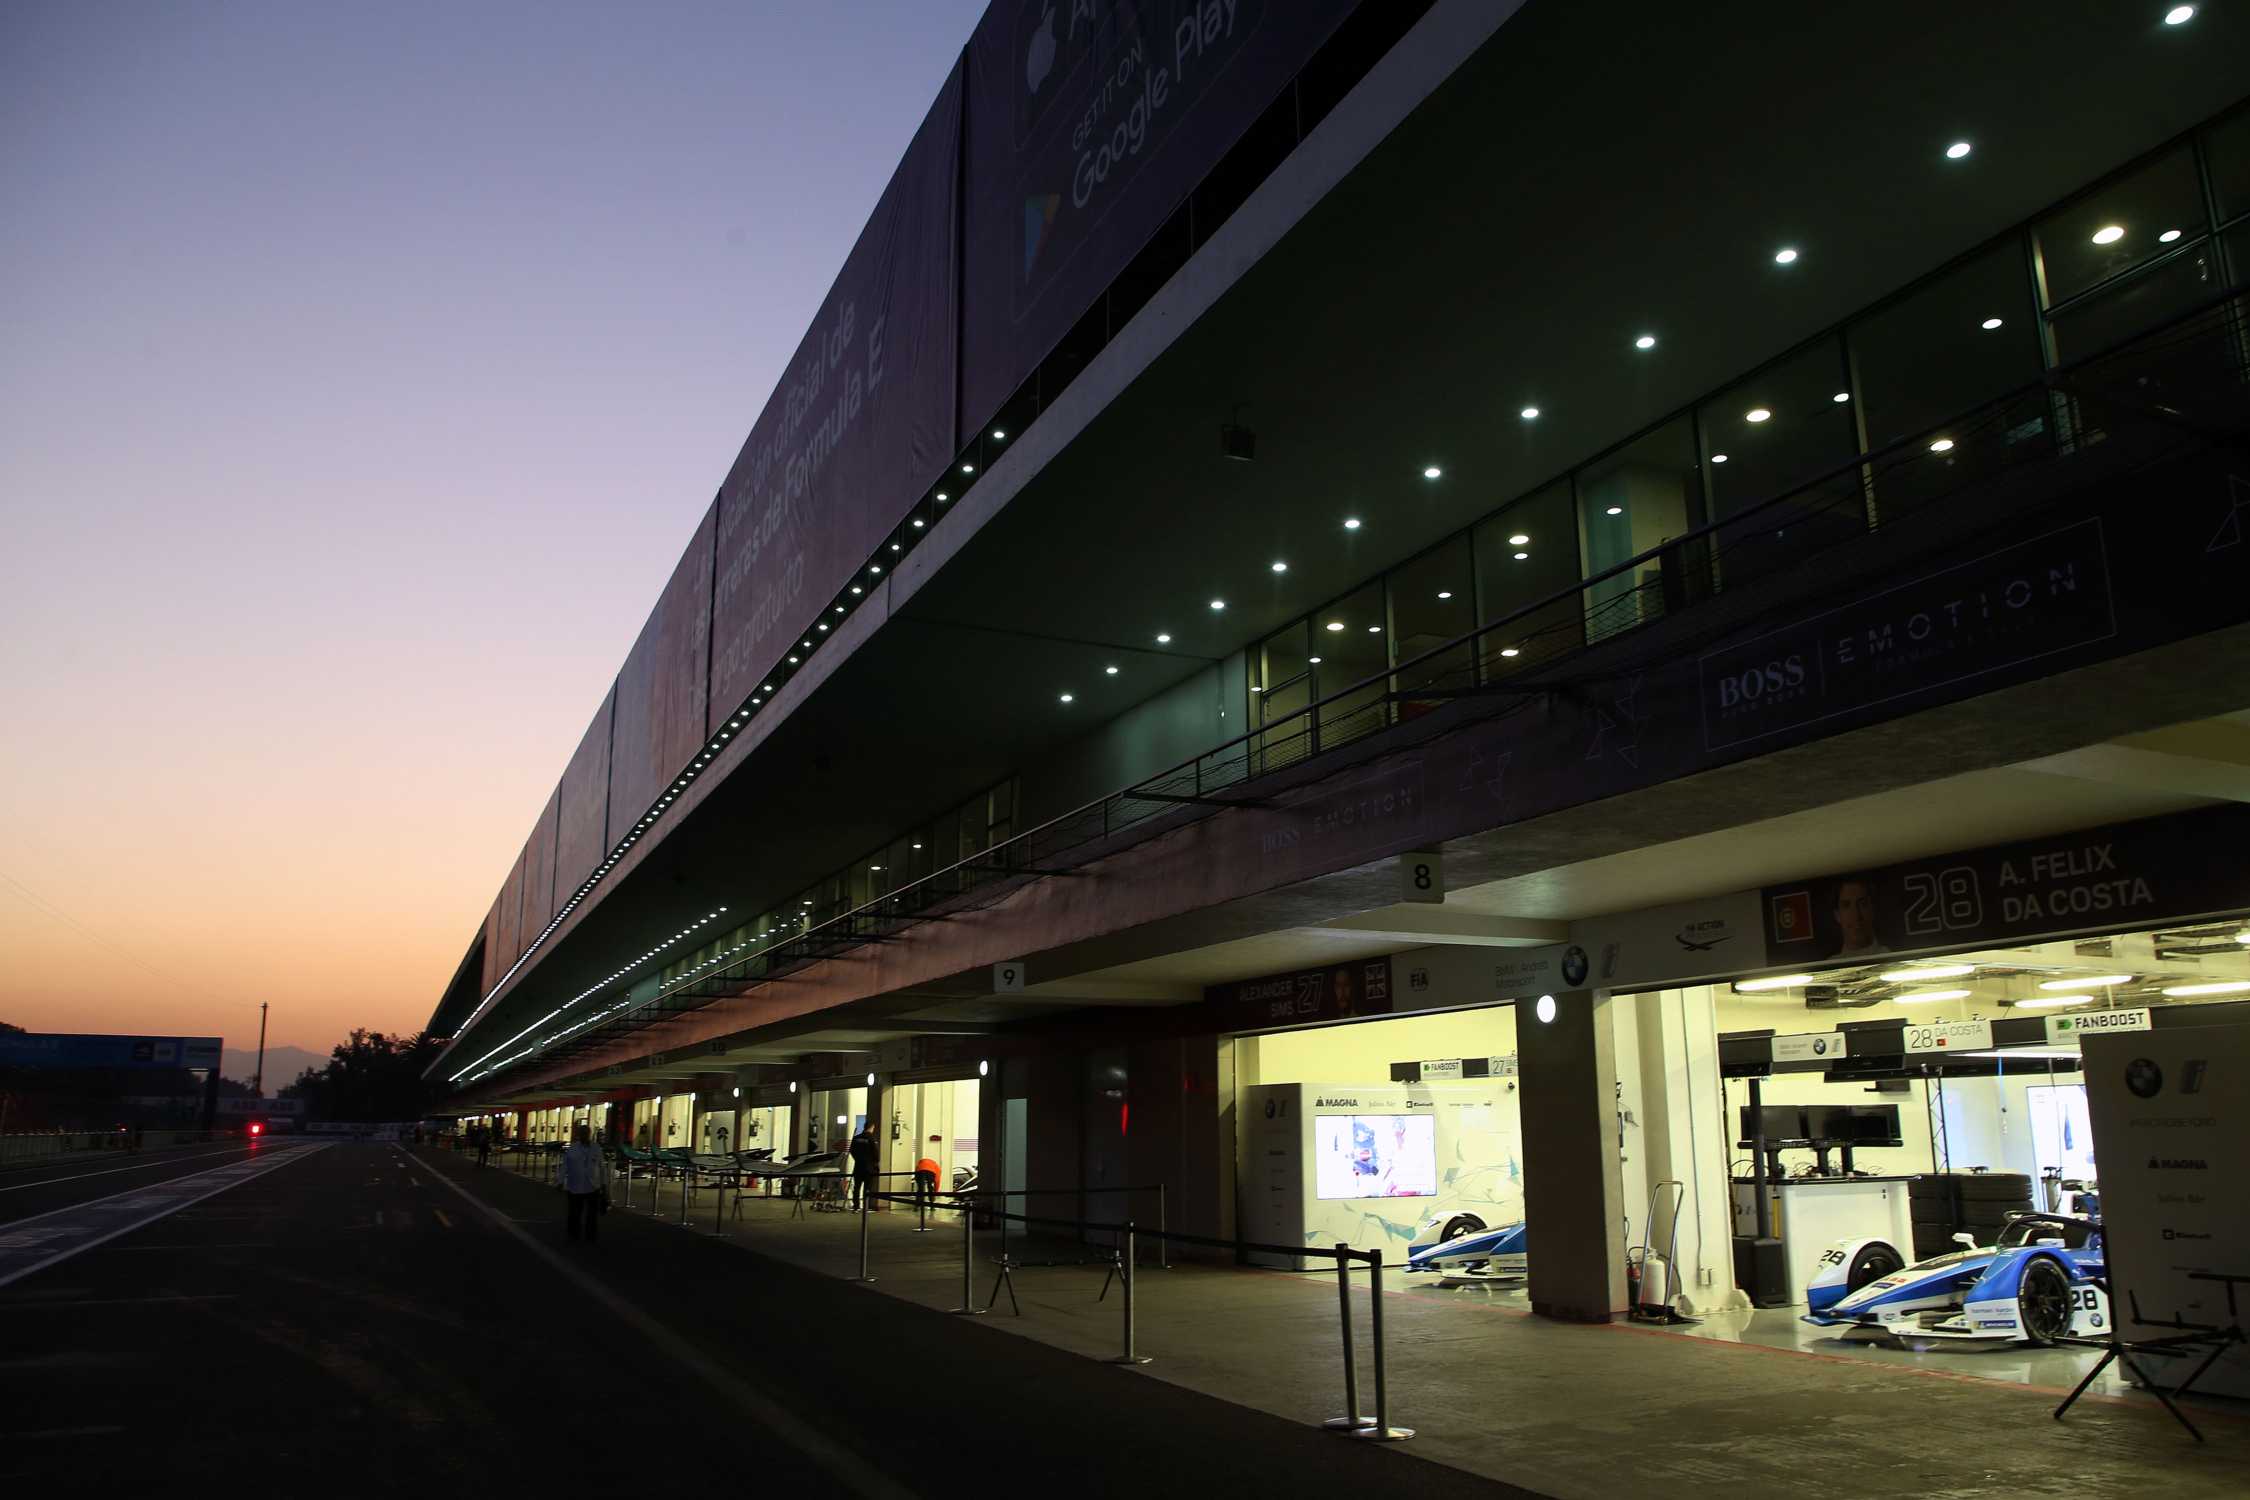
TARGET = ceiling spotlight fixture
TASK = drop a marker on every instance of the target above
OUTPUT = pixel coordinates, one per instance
(1520, 556)
(1989, 324)
(1218, 604)
(1942, 445)
(2186, 991)
(1109, 671)
(942, 497)
(968, 468)
(1925, 971)
(918, 523)
(1432, 471)
(2109, 234)
(1510, 651)
(1718, 458)
(2087, 980)
(1786, 255)
(1771, 982)
(917, 846)
(1957, 150)
(2167, 236)
(1530, 414)
(1281, 567)
(1614, 510)
(1925, 997)
(2179, 15)
(1162, 639)
(1645, 341)
(1445, 593)
(998, 436)
(1519, 539)
(1374, 630)
(1351, 523)
(1841, 397)
(1757, 414)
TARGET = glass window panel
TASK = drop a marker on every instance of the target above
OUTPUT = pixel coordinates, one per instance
(1774, 432)
(2120, 226)
(1525, 555)
(1288, 741)
(2163, 294)
(1929, 357)
(1632, 502)
(1354, 643)
(2227, 152)
(1433, 601)
(1282, 656)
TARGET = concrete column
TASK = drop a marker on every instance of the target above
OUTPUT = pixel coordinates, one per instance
(1573, 1193)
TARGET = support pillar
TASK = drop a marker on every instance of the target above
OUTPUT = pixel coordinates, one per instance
(1574, 1207)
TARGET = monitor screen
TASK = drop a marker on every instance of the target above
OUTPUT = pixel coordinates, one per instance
(1375, 1156)
(1783, 1122)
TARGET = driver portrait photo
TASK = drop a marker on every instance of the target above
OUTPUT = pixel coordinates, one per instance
(1857, 913)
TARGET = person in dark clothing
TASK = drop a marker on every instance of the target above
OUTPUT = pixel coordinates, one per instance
(863, 1163)
(482, 1136)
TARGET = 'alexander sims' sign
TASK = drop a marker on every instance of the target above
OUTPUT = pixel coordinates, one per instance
(2127, 874)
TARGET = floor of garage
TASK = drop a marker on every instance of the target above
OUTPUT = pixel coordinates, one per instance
(1739, 1407)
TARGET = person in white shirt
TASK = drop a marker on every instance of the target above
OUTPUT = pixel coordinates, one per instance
(585, 1185)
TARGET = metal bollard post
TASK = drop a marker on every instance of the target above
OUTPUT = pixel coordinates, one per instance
(1351, 1421)
(719, 1204)
(1163, 1235)
(1129, 1357)
(968, 1307)
(683, 1195)
(866, 1200)
(1382, 1431)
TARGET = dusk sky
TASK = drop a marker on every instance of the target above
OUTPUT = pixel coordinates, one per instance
(366, 369)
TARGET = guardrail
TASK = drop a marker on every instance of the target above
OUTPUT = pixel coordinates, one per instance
(2083, 421)
(33, 1149)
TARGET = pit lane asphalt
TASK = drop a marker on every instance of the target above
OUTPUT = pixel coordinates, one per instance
(351, 1324)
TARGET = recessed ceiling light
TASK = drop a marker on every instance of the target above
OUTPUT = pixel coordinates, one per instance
(1841, 397)
(1530, 414)
(1645, 341)
(1351, 523)
(998, 435)
(1520, 556)
(1519, 539)
(968, 468)
(1109, 671)
(1335, 624)
(1925, 997)
(2109, 234)
(1281, 567)
(1314, 660)
(918, 523)
(1510, 651)
(1374, 630)
(1957, 150)
(2086, 981)
(1218, 604)
(1921, 972)
(917, 846)
(1445, 593)
(1786, 255)
(1432, 472)
(1989, 324)
(1162, 639)
(1756, 414)
(1066, 697)
(1718, 458)
(942, 497)
(1942, 445)
(2179, 15)
(1614, 510)
(2167, 236)
(857, 589)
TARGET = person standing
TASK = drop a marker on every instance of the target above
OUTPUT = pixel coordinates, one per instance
(482, 1135)
(863, 1153)
(585, 1185)
(926, 1176)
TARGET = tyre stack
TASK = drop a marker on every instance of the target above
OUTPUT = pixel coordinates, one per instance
(1976, 1203)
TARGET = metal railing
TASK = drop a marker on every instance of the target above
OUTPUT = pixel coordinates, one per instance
(2157, 394)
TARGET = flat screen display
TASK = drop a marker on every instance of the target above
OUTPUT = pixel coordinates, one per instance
(1375, 1156)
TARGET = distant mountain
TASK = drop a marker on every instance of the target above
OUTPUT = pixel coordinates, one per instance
(283, 1064)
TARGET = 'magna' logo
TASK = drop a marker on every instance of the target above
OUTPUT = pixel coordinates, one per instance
(2178, 1164)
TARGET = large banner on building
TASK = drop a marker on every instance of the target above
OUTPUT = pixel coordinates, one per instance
(860, 425)
(54, 1049)
(581, 815)
(657, 717)
(2124, 875)
(1090, 121)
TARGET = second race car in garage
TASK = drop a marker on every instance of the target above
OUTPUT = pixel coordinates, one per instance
(1465, 1250)
(2040, 1282)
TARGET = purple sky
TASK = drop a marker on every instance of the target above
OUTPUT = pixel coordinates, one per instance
(366, 369)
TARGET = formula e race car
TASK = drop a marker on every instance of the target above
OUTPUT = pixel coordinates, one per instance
(1464, 1250)
(2042, 1281)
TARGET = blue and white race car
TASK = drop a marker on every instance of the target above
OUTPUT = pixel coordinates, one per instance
(2042, 1281)
(1464, 1250)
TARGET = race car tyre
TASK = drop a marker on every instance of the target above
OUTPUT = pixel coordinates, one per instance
(2043, 1301)
(1995, 1187)
(1461, 1224)
(1873, 1263)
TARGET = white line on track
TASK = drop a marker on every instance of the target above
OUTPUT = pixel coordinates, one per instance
(848, 1467)
(104, 1219)
(113, 1171)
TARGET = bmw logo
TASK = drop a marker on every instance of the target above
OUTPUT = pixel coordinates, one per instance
(2144, 1077)
(1574, 966)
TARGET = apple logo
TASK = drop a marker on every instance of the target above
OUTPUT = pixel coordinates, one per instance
(1039, 58)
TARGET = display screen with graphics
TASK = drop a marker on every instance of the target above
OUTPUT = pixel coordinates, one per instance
(1375, 1156)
